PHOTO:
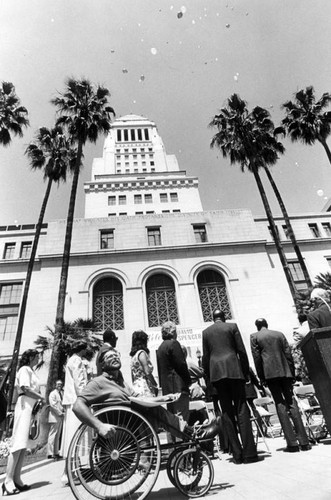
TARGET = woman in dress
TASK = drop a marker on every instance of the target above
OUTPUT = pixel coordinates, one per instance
(143, 381)
(27, 384)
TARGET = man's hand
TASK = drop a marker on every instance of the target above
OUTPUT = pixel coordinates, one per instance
(106, 430)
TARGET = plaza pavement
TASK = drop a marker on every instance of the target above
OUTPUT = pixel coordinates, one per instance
(278, 476)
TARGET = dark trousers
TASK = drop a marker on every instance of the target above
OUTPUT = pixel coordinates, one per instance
(181, 406)
(286, 406)
(232, 398)
(160, 417)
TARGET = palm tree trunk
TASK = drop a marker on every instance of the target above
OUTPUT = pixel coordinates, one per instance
(274, 233)
(289, 228)
(59, 320)
(18, 338)
(326, 147)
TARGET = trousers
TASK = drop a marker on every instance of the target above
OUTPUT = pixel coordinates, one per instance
(236, 417)
(287, 409)
(54, 433)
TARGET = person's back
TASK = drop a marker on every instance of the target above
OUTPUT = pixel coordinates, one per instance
(275, 353)
(222, 344)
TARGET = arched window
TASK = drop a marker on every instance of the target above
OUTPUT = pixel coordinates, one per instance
(161, 300)
(212, 292)
(108, 304)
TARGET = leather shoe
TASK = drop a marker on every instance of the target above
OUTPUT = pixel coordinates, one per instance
(210, 430)
(291, 449)
(251, 460)
(50, 456)
(305, 447)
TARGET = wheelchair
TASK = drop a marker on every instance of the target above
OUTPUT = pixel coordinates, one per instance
(127, 464)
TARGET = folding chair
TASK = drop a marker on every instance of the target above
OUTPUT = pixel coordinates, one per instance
(261, 405)
(259, 433)
(311, 413)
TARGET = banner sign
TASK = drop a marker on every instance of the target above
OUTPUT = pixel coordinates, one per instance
(189, 337)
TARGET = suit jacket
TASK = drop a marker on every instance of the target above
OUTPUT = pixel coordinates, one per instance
(272, 355)
(320, 317)
(173, 371)
(224, 353)
(55, 407)
(75, 379)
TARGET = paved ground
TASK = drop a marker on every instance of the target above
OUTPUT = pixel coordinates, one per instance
(278, 476)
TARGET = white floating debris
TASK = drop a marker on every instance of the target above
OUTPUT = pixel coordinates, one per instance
(153, 51)
(183, 9)
(320, 192)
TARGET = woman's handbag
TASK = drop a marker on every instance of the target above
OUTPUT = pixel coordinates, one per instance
(34, 423)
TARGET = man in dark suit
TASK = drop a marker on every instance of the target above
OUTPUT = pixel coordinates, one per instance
(322, 315)
(173, 371)
(226, 364)
(275, 367)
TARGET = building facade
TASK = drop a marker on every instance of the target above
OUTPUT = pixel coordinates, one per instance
(146, 252)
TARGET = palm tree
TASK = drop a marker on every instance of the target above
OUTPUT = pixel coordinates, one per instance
(13, 116)
(245, 138)
(306, 120)
(84, 111)
(52, 153)
(80, 329)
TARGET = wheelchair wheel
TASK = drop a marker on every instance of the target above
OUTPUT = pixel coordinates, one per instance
(171, 464)
(123, 466)
(194, 473)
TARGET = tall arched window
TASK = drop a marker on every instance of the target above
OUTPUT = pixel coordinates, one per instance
(212, 292)
(161, 300)
(108, 304)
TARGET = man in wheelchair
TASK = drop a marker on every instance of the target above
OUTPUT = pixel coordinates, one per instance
(110, 388)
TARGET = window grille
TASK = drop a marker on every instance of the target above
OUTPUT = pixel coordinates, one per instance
(161, 300)
(108, 304)
(212, 292)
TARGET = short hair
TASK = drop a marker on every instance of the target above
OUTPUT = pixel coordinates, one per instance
(27, 356)
(218, 314)
(260, 323)
(168, 329)
(139, 342)
(109, 336)
(78, 345)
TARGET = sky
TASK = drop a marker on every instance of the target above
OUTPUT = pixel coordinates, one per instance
(175, 63)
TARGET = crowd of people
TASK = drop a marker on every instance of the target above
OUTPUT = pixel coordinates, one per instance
(225, 377)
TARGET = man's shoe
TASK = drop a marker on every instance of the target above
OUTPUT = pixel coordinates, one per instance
(237, 461)
(305, 447)
(251, 460)
(50, 456)
(291, 449)
(210, 431)
(58, 457)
